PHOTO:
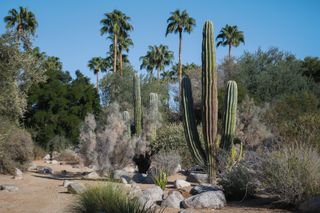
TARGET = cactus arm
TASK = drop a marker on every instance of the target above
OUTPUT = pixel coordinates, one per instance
(137, 104)
(190, 127)
(230, 114)
(209, 98)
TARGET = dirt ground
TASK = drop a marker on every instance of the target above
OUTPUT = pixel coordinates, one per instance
(40, 193)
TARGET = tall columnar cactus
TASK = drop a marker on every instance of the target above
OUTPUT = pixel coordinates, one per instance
(205, 157)
(153, 117)
(126, 119)
(230, 114)
(137, 104)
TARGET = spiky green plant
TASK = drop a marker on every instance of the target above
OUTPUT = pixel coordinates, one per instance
(204, 156)
(137, 104)
(126, 118)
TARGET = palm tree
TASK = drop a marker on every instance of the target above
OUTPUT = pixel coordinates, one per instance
(157, 57)
(180, 22)
(23, 22)
(97, 64)
(116, 24)
(230, 36)
(123, 45)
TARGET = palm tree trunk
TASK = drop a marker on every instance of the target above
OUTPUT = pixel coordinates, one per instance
(97, 81)
(229, 52)
(158, 70)
(120, 62)
(115, 53)
(180, 56)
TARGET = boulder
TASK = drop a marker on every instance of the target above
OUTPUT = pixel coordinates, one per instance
(179, 184)
(92, 175)
(173, 200)
(66, 183)
(204, 188)
(310, 206)
(141, 178)
(46, 157)
(196, 177)
(76, 188)
(9, 187)
(210, 199)
(150, 196)
(18, 174)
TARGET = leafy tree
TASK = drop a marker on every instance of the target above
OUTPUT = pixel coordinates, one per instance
(157, 57)
(116, 24)
(311, 68)
(58, 106)
(98, 64)
(230, 36)
(23, 23)
(180, 22)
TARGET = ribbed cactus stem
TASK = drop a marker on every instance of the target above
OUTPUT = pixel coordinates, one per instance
(230, 115)
(137, 104)
(209, 97)
(153, 116)
(126, 119)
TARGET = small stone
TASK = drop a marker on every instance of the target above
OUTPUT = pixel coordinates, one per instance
(76, 188)
(197, 177)
(66, 183)
(181, 184)
(173, 200)
(44, 170)
(204, 188)
(92, 175)
(9, 187)
(310, 206)
(210, 199)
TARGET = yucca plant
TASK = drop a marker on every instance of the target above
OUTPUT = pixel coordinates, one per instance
(160, 178)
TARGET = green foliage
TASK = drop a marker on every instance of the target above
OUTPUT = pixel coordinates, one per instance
(292, 172)
(311, 68)
(160, 178)
(57, 106)
(108, 198)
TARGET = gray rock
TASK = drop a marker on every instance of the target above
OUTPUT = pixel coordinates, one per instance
(9, 187)
(76, 188)
(310, 206)
(185, 211)
(44, 170)
(92, 175)
(142, 178)
(211, 199)
(47, 157)
(135, 191)
(181, 184)
(123, 180)
(18, 174)
(173, 200)
(197, 177)
(204, 188)
(66, 183)
(118, 174)
(150, 196)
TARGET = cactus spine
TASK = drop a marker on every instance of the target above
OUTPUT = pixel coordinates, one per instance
(137, 104)
(230, 114)
(205, 157)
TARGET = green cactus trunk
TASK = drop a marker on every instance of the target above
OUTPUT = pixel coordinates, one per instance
(126, 119)
(230, 114)
(137, 105)
(204, 157)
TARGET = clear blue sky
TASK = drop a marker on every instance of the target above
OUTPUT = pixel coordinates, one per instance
(69, 29)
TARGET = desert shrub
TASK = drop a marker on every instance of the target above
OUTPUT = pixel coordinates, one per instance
(166, 162)
(15, 150)
(171, 137)
(292, 172)
(38, 152)
(239, 181)
(160, 178)
(108, 199)
(69, 156)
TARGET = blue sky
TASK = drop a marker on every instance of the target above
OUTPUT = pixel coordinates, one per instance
(69, 29)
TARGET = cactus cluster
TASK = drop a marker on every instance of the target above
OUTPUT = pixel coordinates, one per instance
(205, 155)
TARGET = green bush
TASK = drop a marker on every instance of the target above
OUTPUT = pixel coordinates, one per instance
(38, 152)
(170, 137)
(292, 172)
(160, 178)
(108, 198)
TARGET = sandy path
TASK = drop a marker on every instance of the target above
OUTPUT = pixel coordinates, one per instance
(41, 194)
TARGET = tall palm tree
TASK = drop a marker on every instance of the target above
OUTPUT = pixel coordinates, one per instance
(157, 57)
(23, 22)
(230, 36)
(123, 45)
(116, 24)
(97, 64)
(180, 22)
